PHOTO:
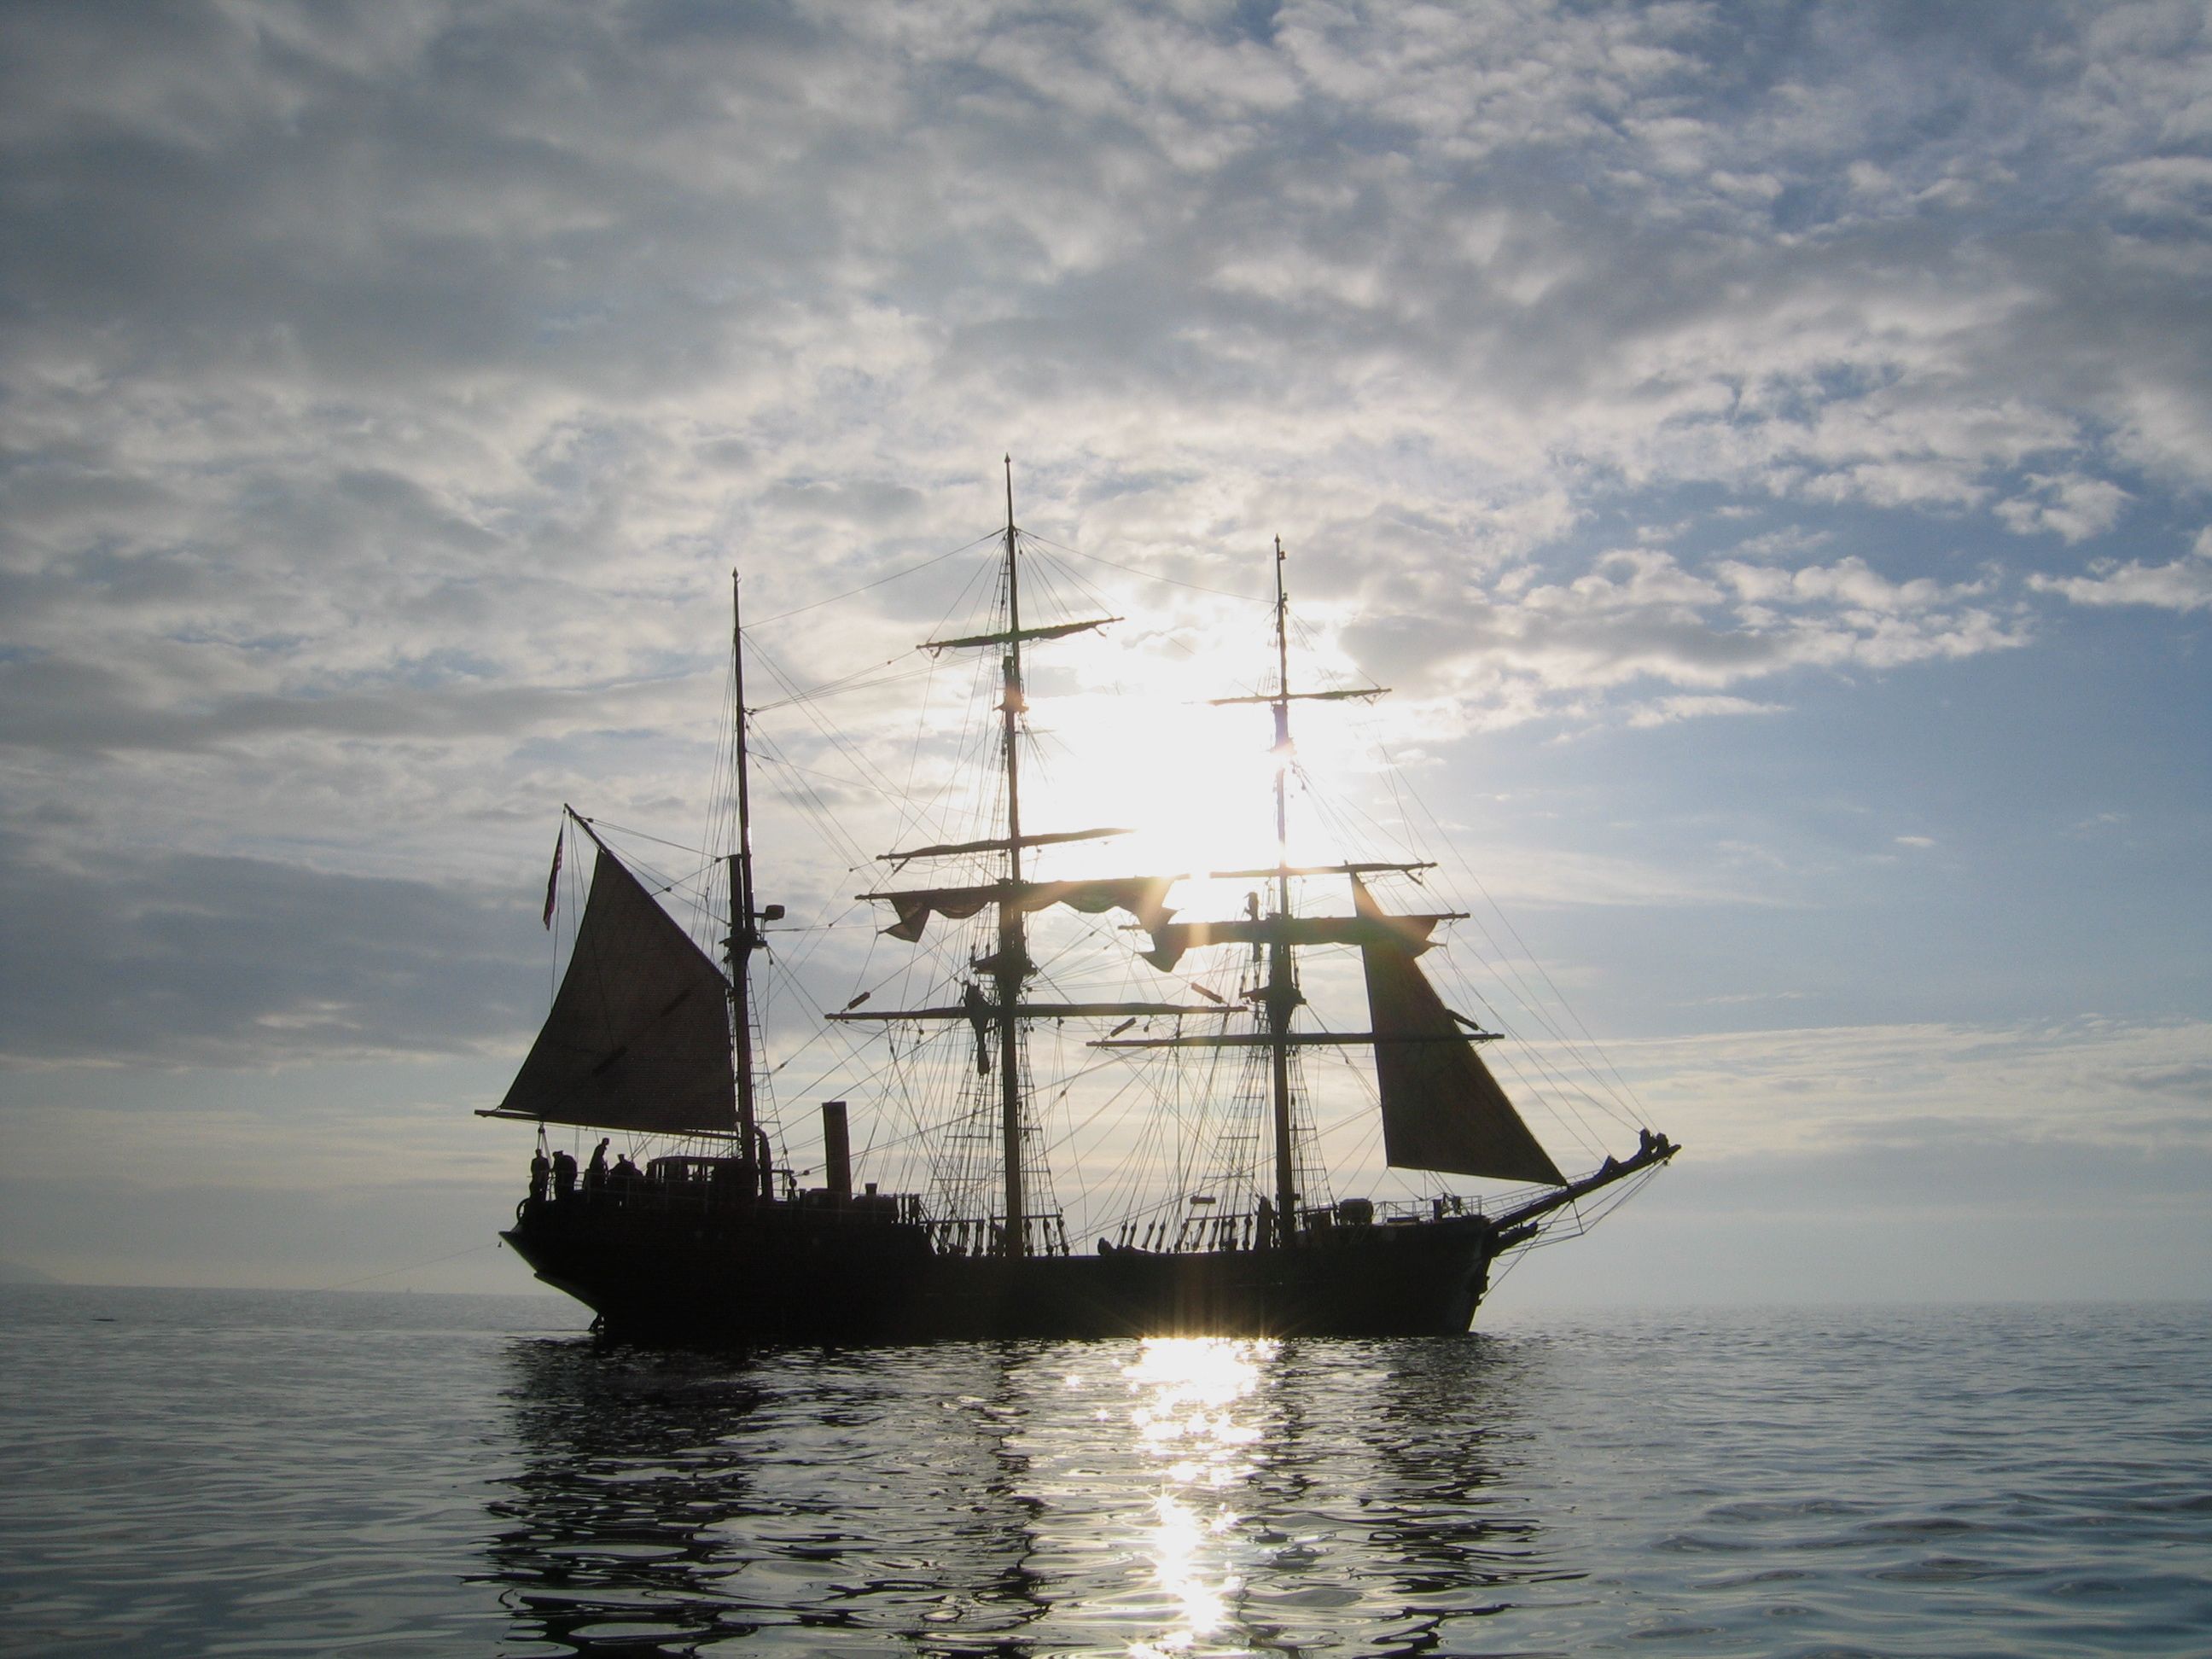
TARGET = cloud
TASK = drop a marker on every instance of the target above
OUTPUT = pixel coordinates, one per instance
(2074, 508)
(1667, 710)
(2184, 584)
(1052, 194)
(405, 381)
(2118, 1085)
(1530, 649)
(2165, 186)
(77, 707)
(386, 392)
(191, 960)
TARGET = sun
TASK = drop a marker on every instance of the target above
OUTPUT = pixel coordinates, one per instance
(1193, 784)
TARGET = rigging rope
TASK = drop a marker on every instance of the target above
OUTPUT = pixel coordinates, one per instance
(1149, 575)
(896, 575)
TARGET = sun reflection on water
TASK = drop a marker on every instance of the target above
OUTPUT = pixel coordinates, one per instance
(1193, 1410)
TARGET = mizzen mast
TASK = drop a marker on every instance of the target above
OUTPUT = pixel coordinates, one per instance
(1282, 931)
(1280, 998)
(1442, 1110)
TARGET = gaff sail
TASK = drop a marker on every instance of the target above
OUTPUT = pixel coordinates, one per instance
(639, 1034)
(1442, 1110)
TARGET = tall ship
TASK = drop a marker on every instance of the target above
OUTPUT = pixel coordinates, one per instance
(1108, 1138)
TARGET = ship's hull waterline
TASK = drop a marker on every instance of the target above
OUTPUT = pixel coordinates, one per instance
(783, 1274)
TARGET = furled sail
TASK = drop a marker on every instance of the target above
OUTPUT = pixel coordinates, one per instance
(1171, 938)
(1143, 897)
(639, 1035)
(1442, 1110)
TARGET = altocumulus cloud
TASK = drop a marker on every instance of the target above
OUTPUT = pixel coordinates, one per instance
(386, 385)
(2179, 584)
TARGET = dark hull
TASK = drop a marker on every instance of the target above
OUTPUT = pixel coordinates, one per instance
(785, 1272)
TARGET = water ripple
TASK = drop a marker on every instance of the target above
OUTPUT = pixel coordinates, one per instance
(195, 1474)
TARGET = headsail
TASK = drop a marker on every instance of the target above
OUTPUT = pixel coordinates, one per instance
(639, 1034)
(1442, 1110)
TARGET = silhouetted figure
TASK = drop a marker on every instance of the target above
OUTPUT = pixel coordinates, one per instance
(564, 1174)
(625, 1173)
(540, 1173)
(596, 1175)
(764, 1161)
(978, 1017)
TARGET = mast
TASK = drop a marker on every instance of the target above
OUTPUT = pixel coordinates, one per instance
(745, 932)
(1281, 997)
(1012, 966)
(998, 1016)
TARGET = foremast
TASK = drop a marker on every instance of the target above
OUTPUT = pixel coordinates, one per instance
(745, 917)
(1012, 969)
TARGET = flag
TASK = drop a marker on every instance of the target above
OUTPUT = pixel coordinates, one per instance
(553, 881)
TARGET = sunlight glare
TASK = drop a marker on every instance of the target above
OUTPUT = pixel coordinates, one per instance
(1191, 783)
(1193, 1397)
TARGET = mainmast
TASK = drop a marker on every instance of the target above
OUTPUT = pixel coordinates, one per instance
(1013, 893)
(1011, 967)
(1281, 997)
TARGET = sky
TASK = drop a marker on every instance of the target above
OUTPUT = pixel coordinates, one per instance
(1765, 448)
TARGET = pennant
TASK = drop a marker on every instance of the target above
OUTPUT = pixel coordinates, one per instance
(553, 880)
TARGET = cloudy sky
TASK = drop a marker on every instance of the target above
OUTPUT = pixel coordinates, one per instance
(1764, 447)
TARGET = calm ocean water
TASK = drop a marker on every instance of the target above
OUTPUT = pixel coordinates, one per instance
(227, 1472)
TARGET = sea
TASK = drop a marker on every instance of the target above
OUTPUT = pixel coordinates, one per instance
(218, 1473)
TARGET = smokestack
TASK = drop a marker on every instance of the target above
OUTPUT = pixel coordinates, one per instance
(836, 1149)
